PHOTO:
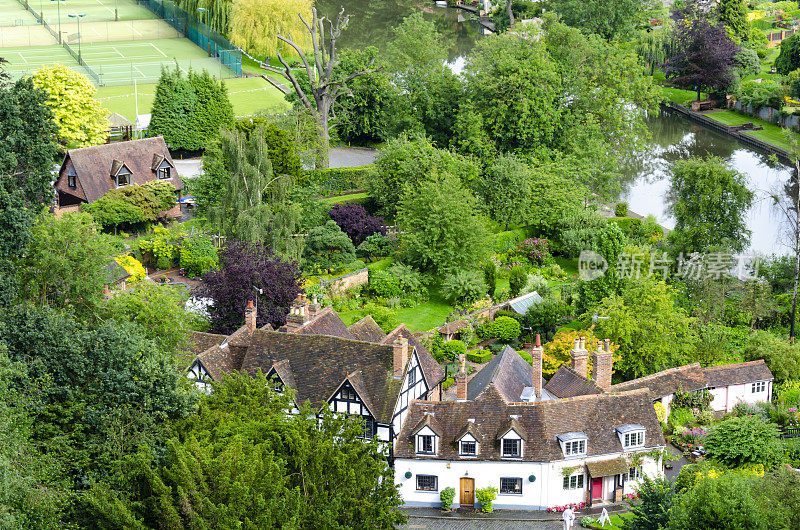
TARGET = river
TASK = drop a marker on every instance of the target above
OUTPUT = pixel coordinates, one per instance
(674, 137)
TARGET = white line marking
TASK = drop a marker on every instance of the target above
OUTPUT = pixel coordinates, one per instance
(96, 32)
(158, 49)
(103, 5)
(116, 50)
(140, 72)
(133, 29)
(22, 57)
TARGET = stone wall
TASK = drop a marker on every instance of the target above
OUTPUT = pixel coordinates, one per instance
(347, 281)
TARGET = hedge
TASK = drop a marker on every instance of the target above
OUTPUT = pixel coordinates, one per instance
(479, 356)
(448, 383)
(337, 179)
(525, 355)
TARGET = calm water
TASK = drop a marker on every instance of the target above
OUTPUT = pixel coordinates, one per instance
(675, 138)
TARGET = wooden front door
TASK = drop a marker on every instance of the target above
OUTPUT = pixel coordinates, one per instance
(467, 497)
(597, 489)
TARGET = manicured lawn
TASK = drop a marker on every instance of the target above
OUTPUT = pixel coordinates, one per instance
(771, 133)
(426, 316)
(570, 265)
(248, 95)
(616, 522)
(346, 198)
(679, 96)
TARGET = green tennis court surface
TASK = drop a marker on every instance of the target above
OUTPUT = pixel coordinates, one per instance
(119, 63)
(95, 10)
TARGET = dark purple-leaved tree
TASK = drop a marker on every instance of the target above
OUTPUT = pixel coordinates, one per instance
(703, 56)
(354, 221)
(250, 271)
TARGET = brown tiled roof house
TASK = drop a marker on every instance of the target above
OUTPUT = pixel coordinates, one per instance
(86, 174)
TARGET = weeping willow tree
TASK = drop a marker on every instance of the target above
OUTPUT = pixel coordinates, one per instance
(256, 24)
(216, 15)
(255, 204)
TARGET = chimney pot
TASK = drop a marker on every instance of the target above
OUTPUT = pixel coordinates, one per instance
(583, 343)
(250, 316)
(538, 340)
(579, 357)
(608, 345)
(400, 356)
(536, 357)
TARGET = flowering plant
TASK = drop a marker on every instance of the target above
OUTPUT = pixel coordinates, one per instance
(573, 505)
(534, 249)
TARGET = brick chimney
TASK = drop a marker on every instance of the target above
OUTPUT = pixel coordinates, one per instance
(602, 365)
(298, 315)
(400, 346)
(580, 357)
(461, 378)
(314, 307)
(537, 352)
(250, 316)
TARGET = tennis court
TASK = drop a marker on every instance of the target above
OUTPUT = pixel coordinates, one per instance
(94, 10)
(119, 63)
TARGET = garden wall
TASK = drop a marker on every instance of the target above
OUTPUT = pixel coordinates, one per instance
(347, 281)
(772, 115)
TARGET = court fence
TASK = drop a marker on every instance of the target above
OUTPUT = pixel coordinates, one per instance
(215, 44)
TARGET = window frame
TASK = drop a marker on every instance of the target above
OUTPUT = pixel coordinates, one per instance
(758, 387)
(518, 446)
(412, 377)
(633, 439)
(464, 453)
(574, 482)
(580, 449)
(634, 473)
(164, 171)
(72, 181)
(517, 490)
(421, 443)
(435, 487)
(125, 174)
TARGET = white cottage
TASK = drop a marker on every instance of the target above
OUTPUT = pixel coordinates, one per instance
(537, 449)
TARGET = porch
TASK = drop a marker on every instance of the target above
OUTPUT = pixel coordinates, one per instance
(606, 485)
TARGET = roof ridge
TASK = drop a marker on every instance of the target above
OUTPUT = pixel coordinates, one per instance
(731, 365)
(661, 373)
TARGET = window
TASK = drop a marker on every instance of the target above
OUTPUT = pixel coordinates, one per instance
(575, 447)
(425, 443)
(349, 394)
(276, 383)
(633, 473)
(412, 376)
(123, 178)
(71, 182)
(427, 483)
(759, 386)
(573, 482)
(163, 173)
(370, 428)
(634, 439)
(468, 448)
(511, 485)
(511, 448)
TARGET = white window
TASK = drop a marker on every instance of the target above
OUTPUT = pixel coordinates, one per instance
(163, 173)
(123, 178)
(511, 485)
(412, 376)
(71, 182)
(575, 447)
(512, 448)
(633, 473)
(425, 444)
(758, 386)
(634, 439)
(427, 483)
(349, 394)
(573, 482)
(469, 448)
(370, 428)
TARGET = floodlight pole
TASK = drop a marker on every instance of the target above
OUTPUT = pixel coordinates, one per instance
(116, 12)
(203, 12)
(78, 16)
(58, 2)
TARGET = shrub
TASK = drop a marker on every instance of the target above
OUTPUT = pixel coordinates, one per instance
(525, 355)
(748, 62)
(486, 496)
(516, 280)
(132, 266)
(385, 317)
(504, 329)
(621, 209)
(383, 284)
(328, 248)
(678, 417)
(198, 255)
(447, 495)
(463, 287)
(354, 221)
(745, 440)
(692, 400)
(374, 245)
(479, 356)
(651, 511)
(587, 521)
(788, 393)
(538, 283)
(490, 277)
(789, 56)
(661, 411)
(534, 250)
(448, 383)
(450, 351)
(545, 317)
(767, 93)
(337, 180)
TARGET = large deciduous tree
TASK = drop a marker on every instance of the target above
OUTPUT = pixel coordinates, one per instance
(354, 220)
(709, 202)
(703, 57)
(733, 13)
(443, 231)
(243, 461)
(82, 121)
(250, 272)
(322, 83)
(787, 202)
(506, 190)
(607, 19)
(789, 58)
(255, 26)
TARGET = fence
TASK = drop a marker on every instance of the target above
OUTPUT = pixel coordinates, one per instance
(790, 432)
(215, 44)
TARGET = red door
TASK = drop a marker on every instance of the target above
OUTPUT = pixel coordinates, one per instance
(597, 489)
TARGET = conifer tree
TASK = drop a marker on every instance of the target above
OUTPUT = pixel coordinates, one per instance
(213, 108)
(173, 114)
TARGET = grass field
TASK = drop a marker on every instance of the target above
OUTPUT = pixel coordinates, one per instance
(248, 95)
(676, 95)
(771, 133)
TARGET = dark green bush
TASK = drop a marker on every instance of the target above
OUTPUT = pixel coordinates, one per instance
(505, 329)
(479, 356)
(337, 180)
(621, 209)
(516, 280)
(450, 351)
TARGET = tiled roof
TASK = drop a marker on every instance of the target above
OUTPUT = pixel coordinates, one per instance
(326, 322)
(200, 342)
(737, 374)
(366, 330)
(93, 166)
(690, 377)
(606, 468)
(431, 370)
(566, 382)
(597, 415)
(507, 372)
(218, 361)
(320, 363)
(454, 327)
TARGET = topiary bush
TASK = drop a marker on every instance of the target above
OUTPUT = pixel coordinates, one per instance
(486, 497)
(447, 495)
(450, 351)
(505, 329)
(479, 356)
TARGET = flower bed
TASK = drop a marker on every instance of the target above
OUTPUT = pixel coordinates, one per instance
(573, 505)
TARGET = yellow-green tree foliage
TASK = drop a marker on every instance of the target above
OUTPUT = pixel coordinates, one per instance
(81, 119)
(557, 351)
(254, 25)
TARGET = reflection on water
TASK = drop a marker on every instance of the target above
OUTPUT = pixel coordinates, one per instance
(372, 22)
(675, 138)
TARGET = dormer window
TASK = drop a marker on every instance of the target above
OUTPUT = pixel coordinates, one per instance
(123, 177)
(164, 173)
(426, 441)
(72, 179)
(631, 436)
(573, 444)
(512, 448)
(469, 448)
